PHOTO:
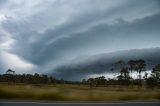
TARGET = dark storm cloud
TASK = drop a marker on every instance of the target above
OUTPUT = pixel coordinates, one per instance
(158, 2)
(139, 33)
(102, 63)
(49, 34)
(105, 37)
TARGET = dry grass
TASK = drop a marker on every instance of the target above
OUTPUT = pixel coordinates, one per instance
(76, 93)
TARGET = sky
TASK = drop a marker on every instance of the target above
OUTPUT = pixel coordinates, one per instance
(40, 35)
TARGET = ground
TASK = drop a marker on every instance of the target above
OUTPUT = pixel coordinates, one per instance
(70, 92)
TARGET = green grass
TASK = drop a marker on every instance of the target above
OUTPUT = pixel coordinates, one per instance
(76, 93)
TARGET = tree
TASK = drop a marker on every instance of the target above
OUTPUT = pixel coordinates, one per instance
(156, 72)
(140, 66)
(131, 67)
(84, 81)
(118, 65)
(151, 82)
(123, 78)
(37, 78)
(44, 79)
(100, 81)
(91, 82)
(154, 79)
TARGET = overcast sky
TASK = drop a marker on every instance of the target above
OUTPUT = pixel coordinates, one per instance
(39, 35)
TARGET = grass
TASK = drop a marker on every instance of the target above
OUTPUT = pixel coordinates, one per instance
(76, 93)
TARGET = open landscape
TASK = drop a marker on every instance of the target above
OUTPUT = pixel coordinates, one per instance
(70, 92)
(80, 52)
(123, 87)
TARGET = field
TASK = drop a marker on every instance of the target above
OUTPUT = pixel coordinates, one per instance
(66, 92)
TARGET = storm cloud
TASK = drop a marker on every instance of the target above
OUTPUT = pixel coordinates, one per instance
(45, 34)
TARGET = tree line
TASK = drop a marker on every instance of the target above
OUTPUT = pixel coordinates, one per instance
(31, 79)
(124, 69)
(125, 76)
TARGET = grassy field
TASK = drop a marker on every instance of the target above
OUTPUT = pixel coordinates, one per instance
(76, 93)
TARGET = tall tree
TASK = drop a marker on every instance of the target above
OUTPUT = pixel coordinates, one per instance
(139, 67)
(122, 67)
(124, 78)
(84, 81)
(156, 74)
(118, 65)
(131, 67)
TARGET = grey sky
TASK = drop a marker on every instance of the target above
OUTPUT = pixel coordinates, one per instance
(39, 35)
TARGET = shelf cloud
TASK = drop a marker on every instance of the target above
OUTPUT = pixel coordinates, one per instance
(46, 34)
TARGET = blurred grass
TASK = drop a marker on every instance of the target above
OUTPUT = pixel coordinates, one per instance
(66, 92)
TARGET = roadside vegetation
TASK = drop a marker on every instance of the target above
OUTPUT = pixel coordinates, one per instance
(70, 92)
(121, 88)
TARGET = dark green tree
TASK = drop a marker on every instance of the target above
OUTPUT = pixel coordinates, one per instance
(131, 67)
(84, 82)
(154, 79)
(100, 81)
(124, 78)
(122, 67)
(91, 82)
(156, 72)
(139, 67)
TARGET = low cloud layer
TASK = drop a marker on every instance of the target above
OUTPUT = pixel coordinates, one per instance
(45, 34)
(101, 64)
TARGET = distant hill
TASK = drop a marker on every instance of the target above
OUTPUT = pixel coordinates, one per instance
(98, 64)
